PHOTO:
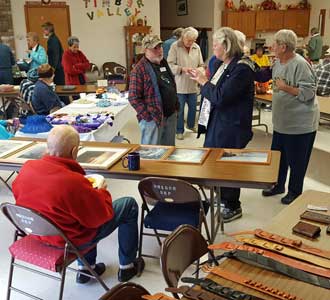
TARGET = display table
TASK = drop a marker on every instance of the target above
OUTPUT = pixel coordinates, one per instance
(282, 224)
(211, 173)
(105, 133)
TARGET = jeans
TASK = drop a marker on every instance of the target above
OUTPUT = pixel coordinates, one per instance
(191, 100)
(295, 153)
(151, 134)
(125, 218)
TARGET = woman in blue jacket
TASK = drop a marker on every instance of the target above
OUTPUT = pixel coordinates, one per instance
(226, 113)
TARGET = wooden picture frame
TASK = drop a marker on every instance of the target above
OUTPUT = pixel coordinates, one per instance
(34, 151)
(247, 156)
(181, 7)
(9, 147)
(153, 152)
(100, 157)
(187, 155)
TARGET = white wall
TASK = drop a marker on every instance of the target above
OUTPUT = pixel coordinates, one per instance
(101, 39)
(200, 14)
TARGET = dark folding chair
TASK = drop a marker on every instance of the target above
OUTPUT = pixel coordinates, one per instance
(125, 291)
(180, 249)
(26, 248)
(113, 71)
(175, 202)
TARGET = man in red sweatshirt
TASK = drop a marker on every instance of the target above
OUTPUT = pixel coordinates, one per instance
(56, 187)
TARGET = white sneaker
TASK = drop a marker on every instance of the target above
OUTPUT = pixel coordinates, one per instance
(179, 136)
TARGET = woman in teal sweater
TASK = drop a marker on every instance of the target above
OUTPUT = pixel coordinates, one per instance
(4, 134)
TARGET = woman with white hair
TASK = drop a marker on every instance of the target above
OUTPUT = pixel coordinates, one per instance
(295, 114)
(75, 63)
(226, 113)
(184, 55)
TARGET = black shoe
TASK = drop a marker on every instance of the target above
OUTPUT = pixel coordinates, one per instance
(231, 214)
(289, 198)
(81, 278)
(274, 191)
(127, 274)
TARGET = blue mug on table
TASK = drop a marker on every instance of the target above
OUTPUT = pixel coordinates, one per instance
(131, 161)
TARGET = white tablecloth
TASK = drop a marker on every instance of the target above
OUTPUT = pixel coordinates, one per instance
(105, 133)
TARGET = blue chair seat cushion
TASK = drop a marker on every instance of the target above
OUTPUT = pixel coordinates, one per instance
(168, 216)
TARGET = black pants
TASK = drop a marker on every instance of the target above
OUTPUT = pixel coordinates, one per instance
(295, 153)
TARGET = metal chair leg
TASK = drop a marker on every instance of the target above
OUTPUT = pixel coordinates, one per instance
(10, 279)
(63, 274)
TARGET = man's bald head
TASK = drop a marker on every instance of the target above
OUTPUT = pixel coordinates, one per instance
(63, 141)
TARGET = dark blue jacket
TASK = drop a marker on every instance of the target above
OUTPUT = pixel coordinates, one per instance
(230, 122)
(6, 62)
(44, 98)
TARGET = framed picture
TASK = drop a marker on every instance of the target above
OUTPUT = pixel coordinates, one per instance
(8, 147)
(187, 155)
(153, 152)
(35, 151)
(100, 157)
(181, 7)
(245, 156)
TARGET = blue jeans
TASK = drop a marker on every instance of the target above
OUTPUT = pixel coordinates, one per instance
(125, 218)
(191, 100)
(151, 134)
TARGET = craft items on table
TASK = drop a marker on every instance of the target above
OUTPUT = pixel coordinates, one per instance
(8, 147)
(307, 229)
(36, 124)
(218, 289)
(82, 122)
(316, 217)
(266, 289)
(33, 151)
(152, 152)
(276, 262)
(188, 155)
(100, 157)
(158, 296)
(245, 156)
(319, 261)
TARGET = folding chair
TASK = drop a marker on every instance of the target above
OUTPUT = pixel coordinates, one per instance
(175, 202)
(180, 249)
(125, 291)
(26, 248)
(114, 72)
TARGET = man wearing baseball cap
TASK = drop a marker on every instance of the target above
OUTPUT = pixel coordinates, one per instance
(152, 93)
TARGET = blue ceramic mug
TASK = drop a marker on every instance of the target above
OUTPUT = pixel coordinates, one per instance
(131, 161)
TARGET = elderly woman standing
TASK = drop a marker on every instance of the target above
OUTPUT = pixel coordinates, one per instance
(227, 106)
(295, 114)
(185, 55)
(75, 63)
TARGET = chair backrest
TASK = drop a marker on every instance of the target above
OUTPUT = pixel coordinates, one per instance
(179, 250)
(125, 291)
(28, 221)
(154, 189)
(93, 68)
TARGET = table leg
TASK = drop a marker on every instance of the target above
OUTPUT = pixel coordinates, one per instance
(3, 107)
(258, 118)
(215, 212)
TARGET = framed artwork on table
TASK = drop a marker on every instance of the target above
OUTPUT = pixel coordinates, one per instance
(187, 155)
(100, 157)
(153, 152)
(181, 7)
(248, 156)
(8, 147)
(35, 151)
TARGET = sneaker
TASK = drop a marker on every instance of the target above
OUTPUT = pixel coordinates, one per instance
(127, 274)
(81, 278)
(231, 214)
(274, 191)
(289, 198)
(179, 136)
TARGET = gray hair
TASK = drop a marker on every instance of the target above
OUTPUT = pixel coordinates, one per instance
(177, 32)
(228, 38)
(190, 33)
(241, 38)
(286, 37)
(73, 40)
